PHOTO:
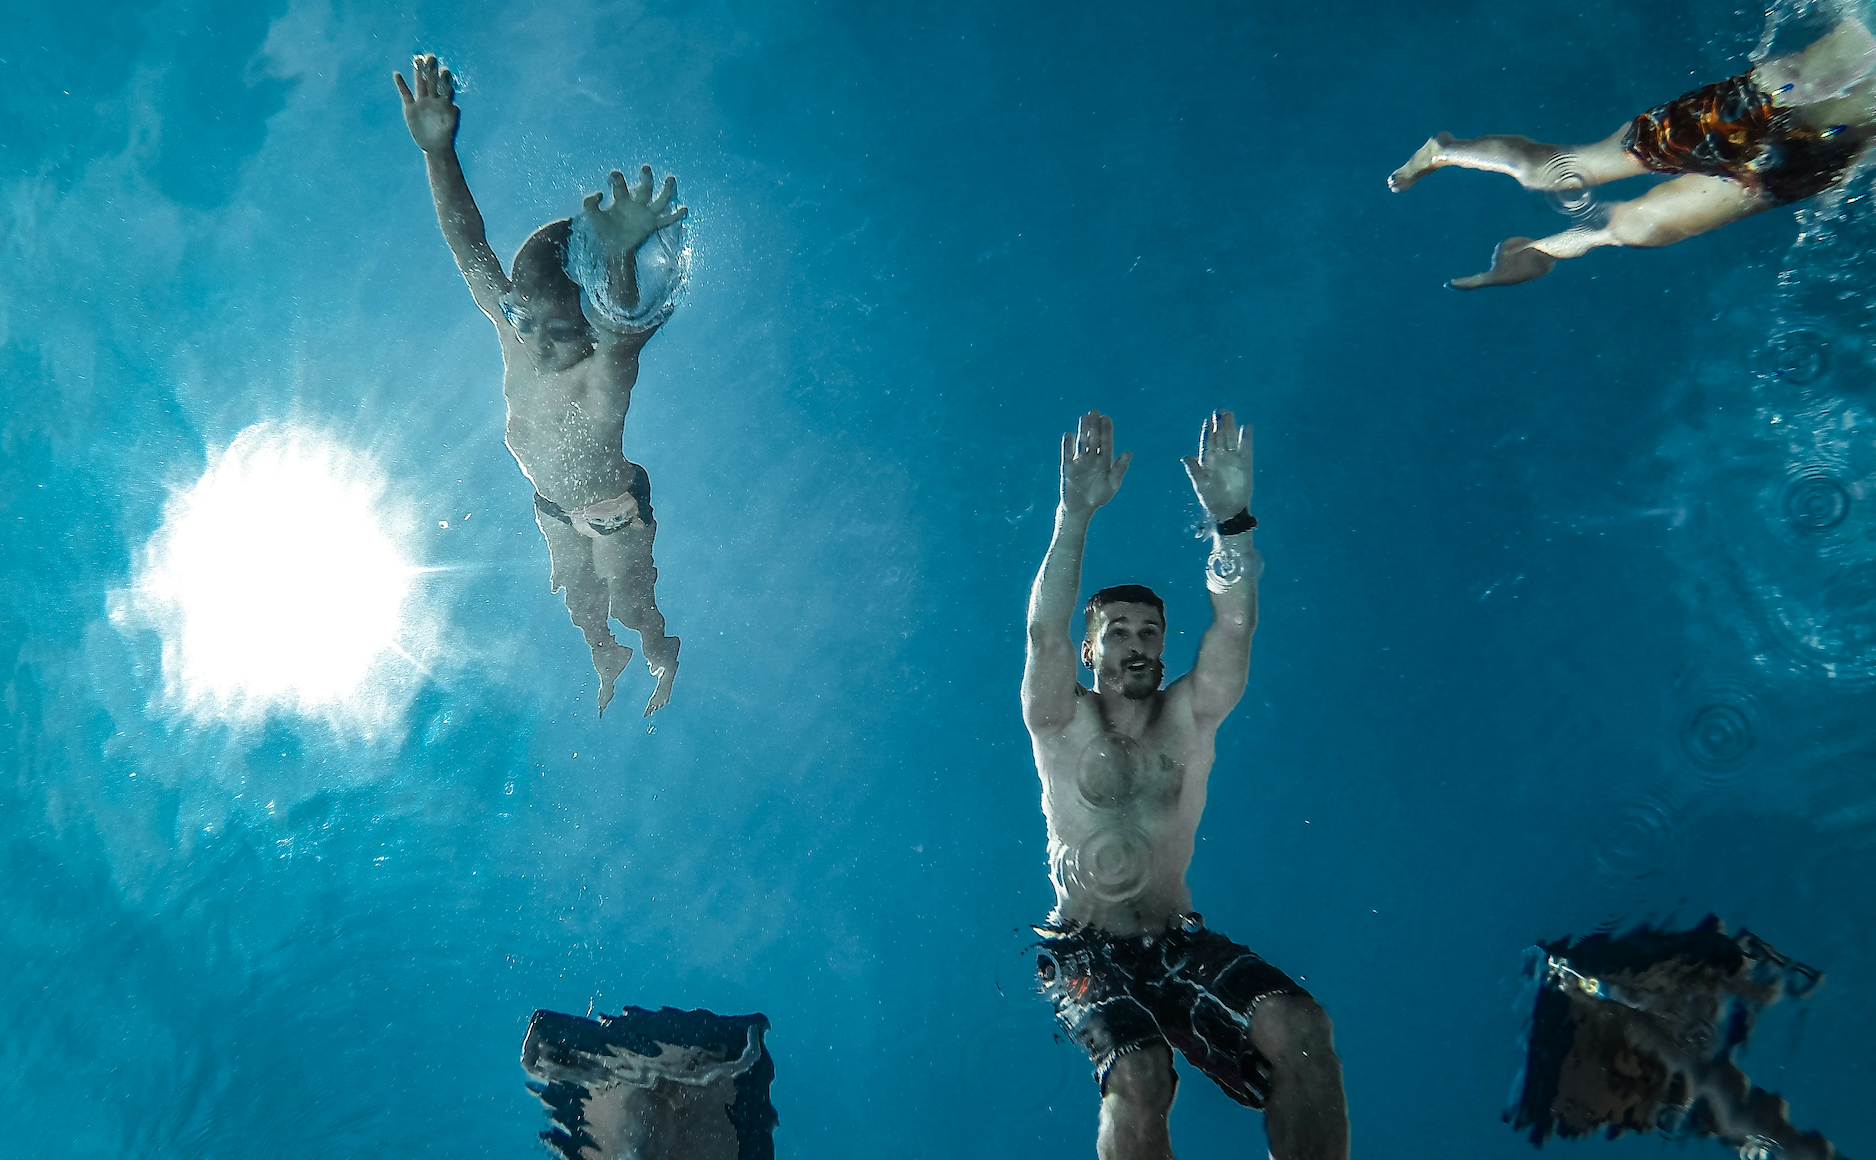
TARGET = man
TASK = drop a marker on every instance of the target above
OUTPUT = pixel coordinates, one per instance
(1782, 132)
(1131, 970)
(571, 321)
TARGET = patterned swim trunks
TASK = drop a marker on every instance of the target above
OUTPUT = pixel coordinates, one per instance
(1188, 988)
(1732, 128)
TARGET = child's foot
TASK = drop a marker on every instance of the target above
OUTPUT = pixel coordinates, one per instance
(664, 667)
(609, 659)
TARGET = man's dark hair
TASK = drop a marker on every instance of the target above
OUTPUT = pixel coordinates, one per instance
(1123, 594)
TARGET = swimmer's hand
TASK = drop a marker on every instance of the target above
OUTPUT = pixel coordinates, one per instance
(431, 111)
(1221, 471)
(1091, 472)
(636, 212)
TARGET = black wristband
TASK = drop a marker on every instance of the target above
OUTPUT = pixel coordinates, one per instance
(1243, 522)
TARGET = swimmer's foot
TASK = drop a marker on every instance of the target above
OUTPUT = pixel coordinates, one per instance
(609, 659)
(665, 669)
(1515, 260)
(1424, 161)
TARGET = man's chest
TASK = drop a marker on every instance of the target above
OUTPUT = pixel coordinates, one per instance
(1112, 772)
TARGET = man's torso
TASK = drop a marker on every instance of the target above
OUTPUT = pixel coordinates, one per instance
(1123, 813)
(565, 427)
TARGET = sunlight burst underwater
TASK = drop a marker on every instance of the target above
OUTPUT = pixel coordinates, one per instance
(274, 581)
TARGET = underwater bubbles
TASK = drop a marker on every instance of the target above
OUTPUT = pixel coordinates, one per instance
(1814, 501)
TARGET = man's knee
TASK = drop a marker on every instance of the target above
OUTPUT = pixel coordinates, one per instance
(1291, 1026)
(1143, 1079)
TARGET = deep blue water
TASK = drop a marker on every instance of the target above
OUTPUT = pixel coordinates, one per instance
(1548, 639)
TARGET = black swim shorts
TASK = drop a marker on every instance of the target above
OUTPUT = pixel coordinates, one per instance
(1731, 128)
(1189, 988)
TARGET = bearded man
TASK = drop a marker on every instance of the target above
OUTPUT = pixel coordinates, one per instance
(1131, 970)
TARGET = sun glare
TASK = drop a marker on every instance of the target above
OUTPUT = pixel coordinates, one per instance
(273, 580)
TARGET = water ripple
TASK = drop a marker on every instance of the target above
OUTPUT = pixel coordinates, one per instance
(1719, 733)
(1636, 840)
(1797, 353)
(1835, 630)
(1814, 500)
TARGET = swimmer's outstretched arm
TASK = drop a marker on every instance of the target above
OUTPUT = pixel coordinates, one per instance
(1221, 475)
(1091, 474)
(432, 116)
(637, 212)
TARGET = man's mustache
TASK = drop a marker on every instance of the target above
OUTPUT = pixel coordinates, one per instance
(1152, 664)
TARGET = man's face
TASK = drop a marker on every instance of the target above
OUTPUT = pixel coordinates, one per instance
(1124, 649)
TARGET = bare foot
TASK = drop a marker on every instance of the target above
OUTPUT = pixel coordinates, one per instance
(609, 659)
(1515, 260)
(665, 669)
(1424, 161)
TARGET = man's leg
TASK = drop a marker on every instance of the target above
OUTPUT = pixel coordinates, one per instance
(1533, 164)
(624, 559)
(570, 556)
(1135, 1102)
(1664, 215)
(1306, 1114)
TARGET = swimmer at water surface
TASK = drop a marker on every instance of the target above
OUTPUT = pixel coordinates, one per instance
(1787, 130)
(571, 321)
(1131, 970)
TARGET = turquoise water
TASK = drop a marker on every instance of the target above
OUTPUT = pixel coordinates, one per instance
(1559, 628)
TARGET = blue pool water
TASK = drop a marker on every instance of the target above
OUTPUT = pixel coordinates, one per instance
(1559, 627)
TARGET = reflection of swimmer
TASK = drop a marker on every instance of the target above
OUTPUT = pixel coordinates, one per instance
(571, 324)
(1131, 971)
(1637, 1033)
(654, 1085)
(1788, 129)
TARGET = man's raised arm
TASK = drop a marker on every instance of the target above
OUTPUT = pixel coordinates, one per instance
(432, 115)
(1091, 474)
(1221, 475)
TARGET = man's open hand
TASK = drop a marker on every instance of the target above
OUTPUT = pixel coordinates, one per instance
(1221, 471)
(431, 111)
(1091, 472)
(637, 211)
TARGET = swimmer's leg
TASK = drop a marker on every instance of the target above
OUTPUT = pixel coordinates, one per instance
(1664, 215)
(1534, 164)
(1306, 1114)
(571, 557)
(623, 560)
(1135, 1102)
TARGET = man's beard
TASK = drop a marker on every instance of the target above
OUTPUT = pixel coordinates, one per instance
(1155, 671)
